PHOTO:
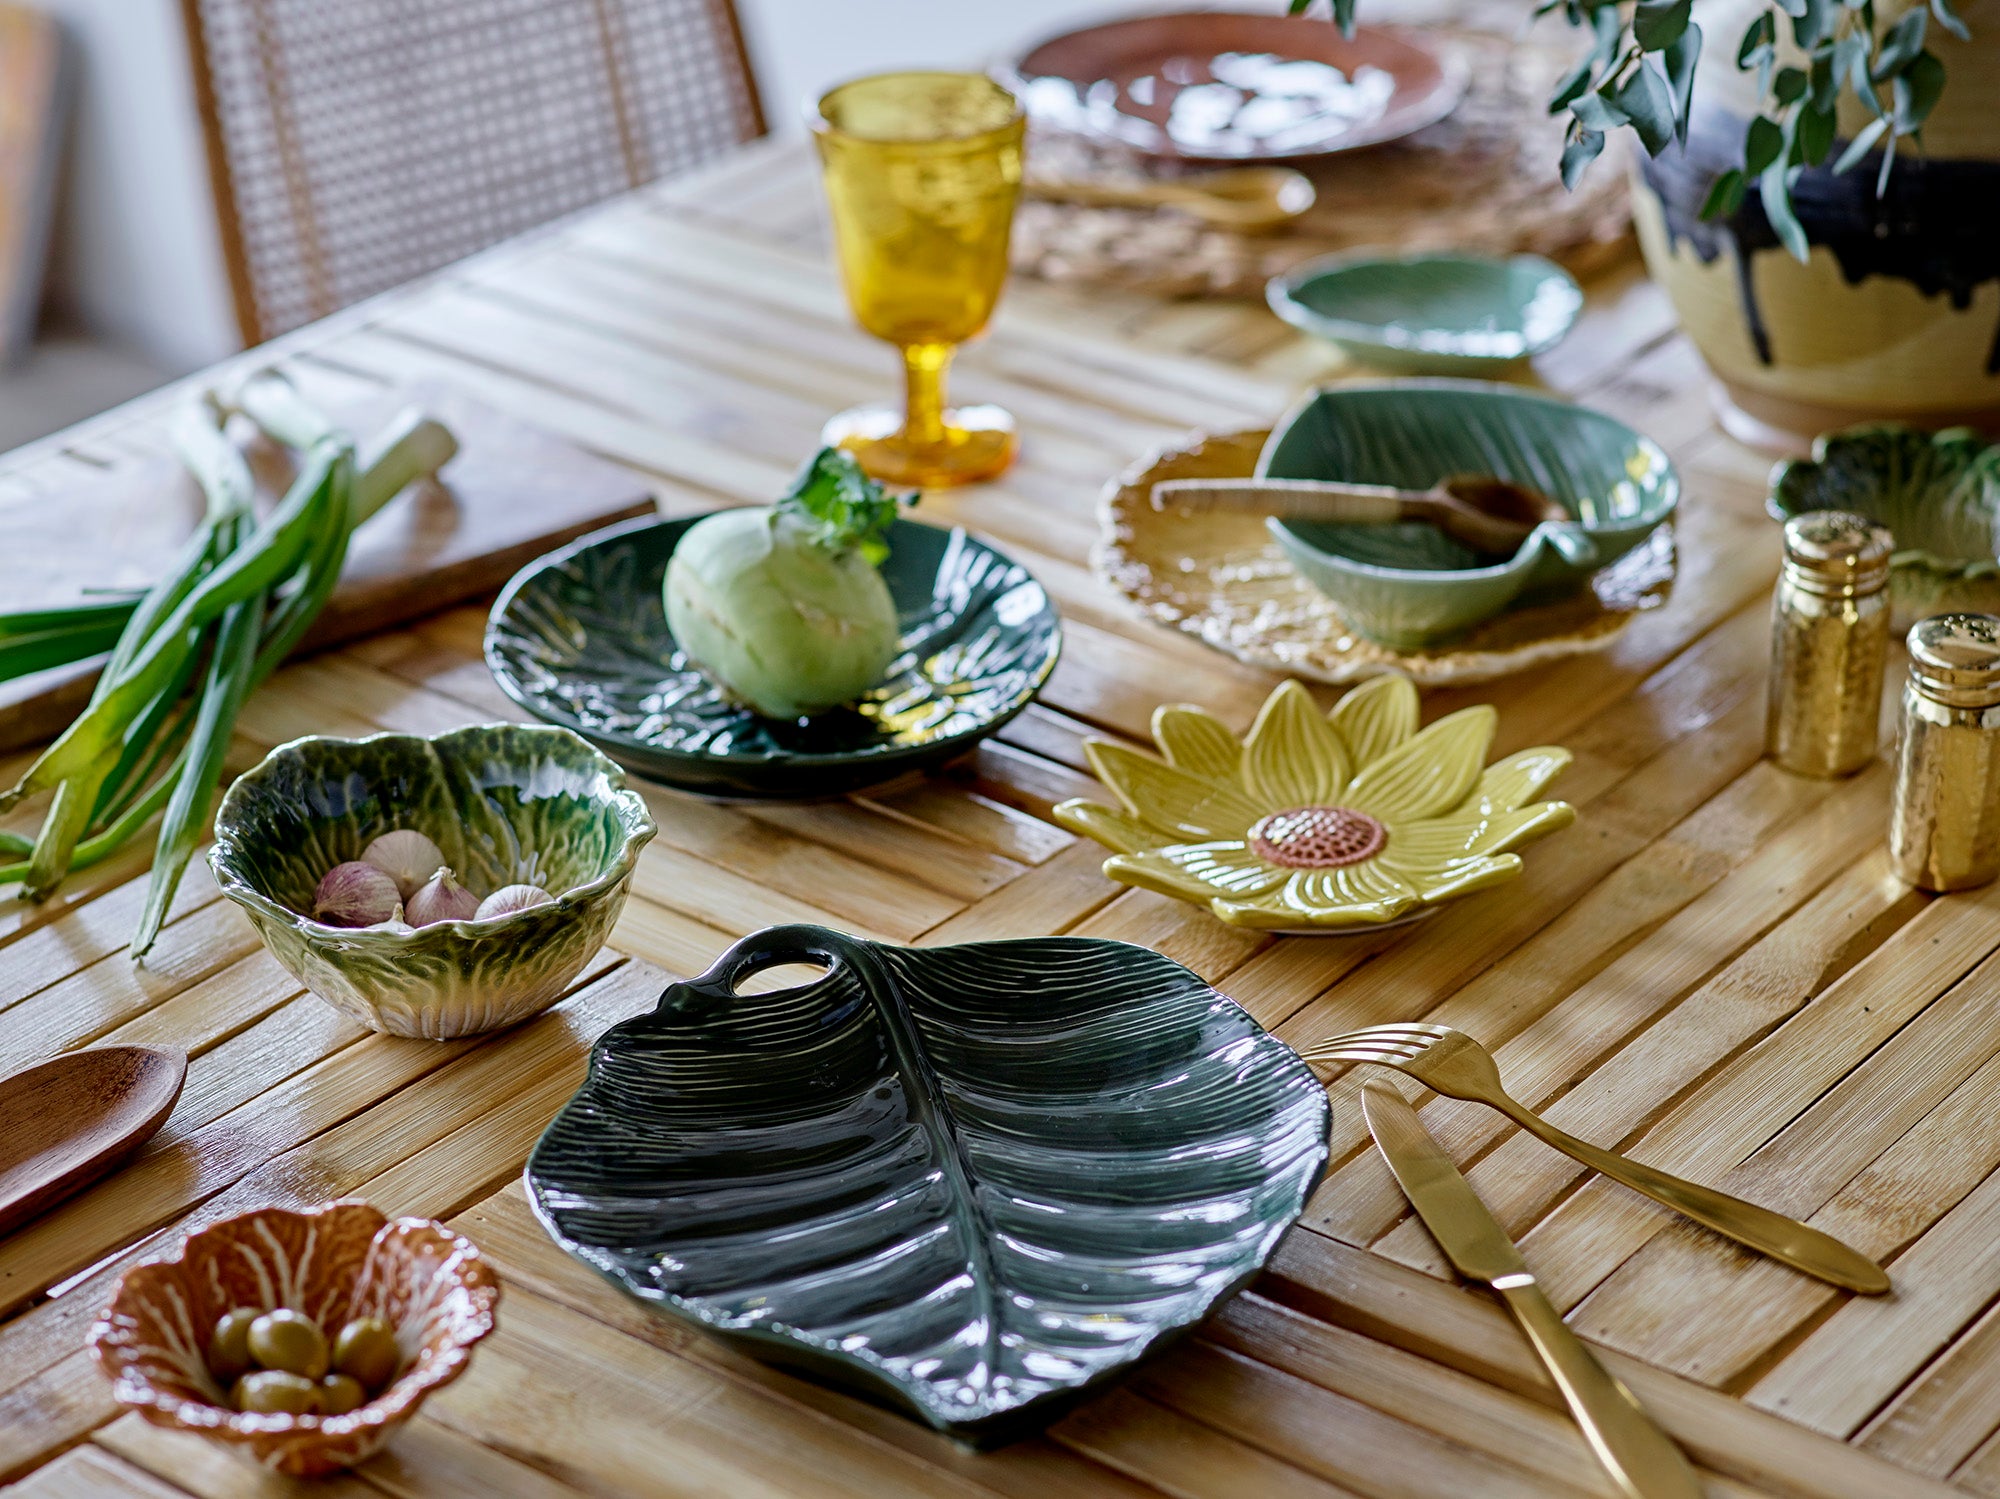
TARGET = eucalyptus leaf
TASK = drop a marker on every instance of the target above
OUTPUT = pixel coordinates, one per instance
(1774, 188)
(1725, 195)
(1583, 148)
(1815, 135)
(1762, 145)
(1916, 90)
(1815, 25)
(1789, 86)
(1343, 16)
(1646, 99)
(1657, 24)
(975, 1181)
(1760, 35)
(1862, 144)
(1681, 60)
(1604, 43)
(1904, 41)
(1948, 18)
(1596, 112)
(1888, 163)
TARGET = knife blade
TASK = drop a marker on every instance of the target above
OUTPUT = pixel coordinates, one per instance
(1640, 1458)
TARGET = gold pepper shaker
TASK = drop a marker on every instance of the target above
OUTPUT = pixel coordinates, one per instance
(1944, 831)
(1829, 641)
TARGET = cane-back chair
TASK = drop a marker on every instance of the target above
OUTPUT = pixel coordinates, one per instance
(355, 144)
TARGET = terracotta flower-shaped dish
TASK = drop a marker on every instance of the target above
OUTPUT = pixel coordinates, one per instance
(1320, 822)
(335, 1262)
(1939, 495)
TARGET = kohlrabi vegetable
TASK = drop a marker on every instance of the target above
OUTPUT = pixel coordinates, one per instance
(783, 607)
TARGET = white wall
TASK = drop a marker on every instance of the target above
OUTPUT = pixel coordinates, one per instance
(803, 47)
(136, 257)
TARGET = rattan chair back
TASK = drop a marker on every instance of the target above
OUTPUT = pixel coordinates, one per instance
(356, 144)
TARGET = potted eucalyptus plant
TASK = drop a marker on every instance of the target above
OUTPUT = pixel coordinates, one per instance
(1818, 192)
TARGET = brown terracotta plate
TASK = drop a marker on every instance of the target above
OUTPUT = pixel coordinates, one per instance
(1224, 86)
(67, 1121)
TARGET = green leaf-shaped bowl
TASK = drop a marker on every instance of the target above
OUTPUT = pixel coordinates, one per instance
(580, 639)
(1437, 314)
(1409, 586)
(1939, 495)
(506, 803)
(974, 1182)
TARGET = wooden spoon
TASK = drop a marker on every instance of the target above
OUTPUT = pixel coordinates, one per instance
(1249, 200)
(1490, 515)
(67, 1121)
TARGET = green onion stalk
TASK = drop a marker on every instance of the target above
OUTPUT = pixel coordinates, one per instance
(238, 599)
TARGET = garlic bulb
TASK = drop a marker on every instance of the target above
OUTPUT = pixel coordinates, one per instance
(511, 898)
(355, 894)
(408, 858)
(441, 898)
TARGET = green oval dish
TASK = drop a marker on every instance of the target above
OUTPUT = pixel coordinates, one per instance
(1939, 495)
(1407, 585)
(580, 639)
(1440, 314)
(506, 803)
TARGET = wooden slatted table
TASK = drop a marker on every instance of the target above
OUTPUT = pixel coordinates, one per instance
(1712, 969)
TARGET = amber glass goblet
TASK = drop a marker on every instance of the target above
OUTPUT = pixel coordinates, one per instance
(922, 171)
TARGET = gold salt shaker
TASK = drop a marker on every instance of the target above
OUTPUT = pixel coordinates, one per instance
(1829, 641)
(1944, 832)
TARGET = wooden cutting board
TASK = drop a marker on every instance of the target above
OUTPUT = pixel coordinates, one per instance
(513, 492)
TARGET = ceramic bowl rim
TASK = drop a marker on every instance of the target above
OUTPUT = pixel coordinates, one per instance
(627, 804)
(1529, 554)
(886, 755)
(1281, 294)
(1903, 559)
(397, 1402)
(1454, 75)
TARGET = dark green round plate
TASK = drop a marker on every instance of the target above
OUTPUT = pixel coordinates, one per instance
(579, 638)
(974, 1182)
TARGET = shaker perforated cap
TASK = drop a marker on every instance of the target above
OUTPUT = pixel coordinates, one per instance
(1955, 659)
(1838, 550)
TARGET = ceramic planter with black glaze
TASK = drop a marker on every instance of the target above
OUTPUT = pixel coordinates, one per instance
(1897, 312)
(972, 1182)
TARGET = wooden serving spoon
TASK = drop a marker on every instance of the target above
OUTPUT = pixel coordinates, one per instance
(1249, 200)
(1490, 515)
(67, 1121)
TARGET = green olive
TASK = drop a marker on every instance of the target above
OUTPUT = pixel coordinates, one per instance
(289, 1341)
(366, 1349)
(339, 1394)
(274, 1392)
(229, 1349)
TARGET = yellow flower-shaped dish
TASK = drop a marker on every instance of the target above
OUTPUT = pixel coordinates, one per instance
(1320, 822)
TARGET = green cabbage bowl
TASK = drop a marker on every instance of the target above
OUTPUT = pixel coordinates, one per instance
(1939, 495)
(506, 803)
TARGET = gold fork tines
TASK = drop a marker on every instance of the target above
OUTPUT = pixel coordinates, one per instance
(1452, 1063)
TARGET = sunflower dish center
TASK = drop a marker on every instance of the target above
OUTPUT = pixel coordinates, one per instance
(1317, 837)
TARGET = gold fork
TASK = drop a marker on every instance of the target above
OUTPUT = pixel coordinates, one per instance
(1451, 1062)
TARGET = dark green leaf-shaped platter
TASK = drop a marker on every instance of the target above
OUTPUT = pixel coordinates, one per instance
(580, 639)
(973, 1182)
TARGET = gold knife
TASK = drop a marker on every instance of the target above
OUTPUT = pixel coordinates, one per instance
(1635, 1452)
